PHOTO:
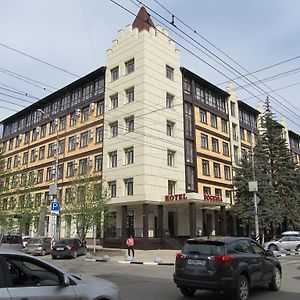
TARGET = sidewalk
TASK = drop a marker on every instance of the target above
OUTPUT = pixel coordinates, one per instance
(160, 256)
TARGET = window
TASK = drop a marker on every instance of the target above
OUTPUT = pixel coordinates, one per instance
(243, 153)
(98, 163)
(62, 123)
(114, 73)
(128, 182)
(224, 125)
(234, 132)
(35, 133)
(9, 163)
(87, 92)
(11, 144)
(84, 139)
(40, 175)
(232, 109)
(242, 134)
(204, 141)
(113, 159)
(100, 108)
(114, 101)
(25, 158)
(71, 166)
(83, 166)
(53, 125)
(129, 66)
(129, 95)
(203, 116)
(227, 173)
(16, 160)
(249, 136)
(65, 102)
(225, 149)
(129, 155)
(76, 95)
(213, 120)
(217, 170)
(190, 183)
(206, 190)
(61, 146)
(235, 154)
(188, 119)
(205, 167)
(49, 173)
(189, 151)
(99, 86)
(73, 118)
(85, 113)
(51, 149)
(113, 129)
(43, 131)
(99, 134)
(187, 86)
(42, 152)
(171, 158)
(55, 107)
(33, 155)
(169, 100)
(215, 145)
(27, 137)
(218, 192)
(73, 140)
(171, 187)
(170, 128)
(129, 123)
(112, 185)
(169, 72)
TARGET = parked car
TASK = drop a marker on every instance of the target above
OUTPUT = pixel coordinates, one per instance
(26, 277)
(68, 248)
(11, 241)
(38, 245)
(232, 265)
(287, 242)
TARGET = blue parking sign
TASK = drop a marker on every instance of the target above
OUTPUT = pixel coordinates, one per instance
(55, 207)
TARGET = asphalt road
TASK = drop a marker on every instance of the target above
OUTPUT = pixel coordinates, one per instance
(146, 282)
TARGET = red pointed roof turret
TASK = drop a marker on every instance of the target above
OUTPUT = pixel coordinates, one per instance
(143, 20)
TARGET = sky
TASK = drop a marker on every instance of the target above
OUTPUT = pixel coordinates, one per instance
(218, 40)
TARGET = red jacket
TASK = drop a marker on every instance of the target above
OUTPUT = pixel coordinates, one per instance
(130, 242)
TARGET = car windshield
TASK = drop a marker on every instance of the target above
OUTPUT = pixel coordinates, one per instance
(203, 248)
(34, 241)
(12, 239)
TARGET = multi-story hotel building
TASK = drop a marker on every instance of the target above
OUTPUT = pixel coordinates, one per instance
(163, 139)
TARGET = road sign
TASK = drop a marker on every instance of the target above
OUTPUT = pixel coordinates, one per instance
(55, 207)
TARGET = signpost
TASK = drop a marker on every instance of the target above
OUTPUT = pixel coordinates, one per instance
(55, 208)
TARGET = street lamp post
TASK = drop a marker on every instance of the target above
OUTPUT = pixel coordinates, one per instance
(52, 188)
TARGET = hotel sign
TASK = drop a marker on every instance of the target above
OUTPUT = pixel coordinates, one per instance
(179, 197)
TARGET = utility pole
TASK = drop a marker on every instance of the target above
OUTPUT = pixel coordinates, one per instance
(253, 187)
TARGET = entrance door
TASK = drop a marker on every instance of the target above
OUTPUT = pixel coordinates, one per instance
(171, 223)
(209, 224)
(130, 223)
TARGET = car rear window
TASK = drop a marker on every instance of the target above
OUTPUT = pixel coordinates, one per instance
(65, 241)
(34, 241)
(203, 248)
(12, 239)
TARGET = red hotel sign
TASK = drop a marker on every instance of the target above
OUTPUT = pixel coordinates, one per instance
(208, 198)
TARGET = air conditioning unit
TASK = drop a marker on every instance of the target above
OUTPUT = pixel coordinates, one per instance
(75, 165)
(91, 134)
(76, 139)
(77, 112)
(56, 122)
(90, 160)
(73, 189)
(31, 195)
(92, 106)
(20, 137)
(36, 152)
(19, 158)
(38, 129)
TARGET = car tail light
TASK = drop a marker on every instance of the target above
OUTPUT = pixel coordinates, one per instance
(69, 247)
(179, 255)
(223, 258)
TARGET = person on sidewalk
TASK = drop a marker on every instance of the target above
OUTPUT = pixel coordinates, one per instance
(130, 245)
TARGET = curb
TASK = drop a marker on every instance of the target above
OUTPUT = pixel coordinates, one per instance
(145, 263)
(286, 254)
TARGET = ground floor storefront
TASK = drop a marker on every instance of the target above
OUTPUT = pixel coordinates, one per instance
(165, 224)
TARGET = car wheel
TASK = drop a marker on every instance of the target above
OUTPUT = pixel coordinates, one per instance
(74, 254)
(298, 248)
(43, 253)
(54, 256)
(241, 292)
(273, 247)
(187, 291)
(274, 285)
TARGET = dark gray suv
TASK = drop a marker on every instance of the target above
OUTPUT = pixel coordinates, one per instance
(231, 264)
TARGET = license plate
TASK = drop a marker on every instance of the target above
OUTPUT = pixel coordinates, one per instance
(196, 262)
(60, 249)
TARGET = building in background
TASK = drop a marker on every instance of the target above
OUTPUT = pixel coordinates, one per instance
(163, 139)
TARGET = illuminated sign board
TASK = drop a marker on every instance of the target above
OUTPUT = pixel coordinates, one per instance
(175, 197)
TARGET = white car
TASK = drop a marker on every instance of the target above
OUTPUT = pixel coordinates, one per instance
(287, 242)
(26, 277)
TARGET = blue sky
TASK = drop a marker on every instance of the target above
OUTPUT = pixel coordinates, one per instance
(74, 35)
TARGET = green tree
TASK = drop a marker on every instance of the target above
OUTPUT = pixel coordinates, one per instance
(87, 203)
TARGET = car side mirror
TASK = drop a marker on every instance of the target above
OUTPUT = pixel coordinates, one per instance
(65, 280)
(269, 252)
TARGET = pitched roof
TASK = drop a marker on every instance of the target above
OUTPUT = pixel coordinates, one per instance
(143, 20)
